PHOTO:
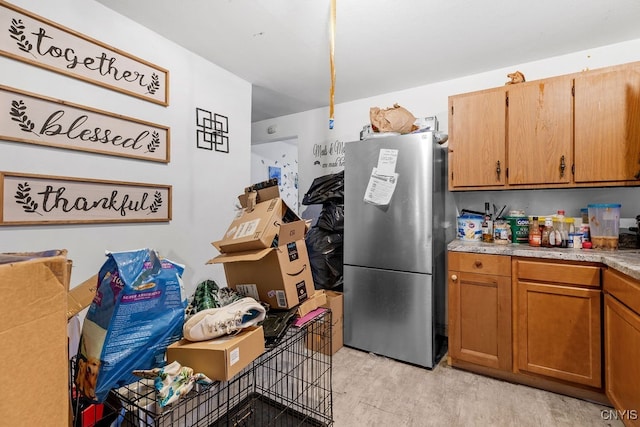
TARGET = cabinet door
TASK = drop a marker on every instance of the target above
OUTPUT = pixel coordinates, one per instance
(480, 319)
(607, 125)
(559, 332)
(477, 139)
(622, 357)
(540, 132)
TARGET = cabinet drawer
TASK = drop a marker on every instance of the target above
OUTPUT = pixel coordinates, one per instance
(498, 265)
(624, 288)
(557, 272)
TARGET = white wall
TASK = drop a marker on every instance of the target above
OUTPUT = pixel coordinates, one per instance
(311, 129)
(205, 183)
(281, 154)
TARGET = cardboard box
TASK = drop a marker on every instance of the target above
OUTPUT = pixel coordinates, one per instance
(335, 302)
(80, 297)
(222, 358)
(257, 225)
(278, 276)
(33, 333)
(251, 197)
(319, 298)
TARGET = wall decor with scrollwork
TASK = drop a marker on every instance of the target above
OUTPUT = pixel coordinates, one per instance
(35, 119)
(30, 38)
(29, 199)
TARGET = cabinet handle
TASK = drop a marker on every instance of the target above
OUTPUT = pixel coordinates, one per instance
(498, 170)
(478, 264)
(454, 277)
(563, 166)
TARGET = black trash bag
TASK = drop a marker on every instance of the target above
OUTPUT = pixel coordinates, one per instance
(325, 188)
(332, 217)
(325, 256)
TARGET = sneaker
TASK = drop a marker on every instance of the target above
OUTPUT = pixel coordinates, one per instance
(216, 322)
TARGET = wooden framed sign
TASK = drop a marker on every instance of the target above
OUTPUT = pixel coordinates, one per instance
(36, 40)
(26, 117)
(29, 199)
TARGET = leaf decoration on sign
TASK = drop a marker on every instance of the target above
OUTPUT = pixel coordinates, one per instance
(155, 142)
(154, 85)
(156, 203)
(17, 33)
(23, 198)
(18, 114)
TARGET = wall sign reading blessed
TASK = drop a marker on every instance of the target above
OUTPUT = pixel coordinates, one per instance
(40, 199)
(26, 117)
(30, 38)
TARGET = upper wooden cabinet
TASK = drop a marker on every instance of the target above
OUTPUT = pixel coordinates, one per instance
(478, 155)
(576, 130)
(540, 132)
(607, 111)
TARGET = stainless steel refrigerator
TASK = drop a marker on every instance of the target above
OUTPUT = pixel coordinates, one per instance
(394, 247)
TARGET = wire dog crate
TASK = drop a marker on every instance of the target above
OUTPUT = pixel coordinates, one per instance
(288, 385)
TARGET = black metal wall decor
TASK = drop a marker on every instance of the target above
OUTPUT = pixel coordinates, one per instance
(212, 131)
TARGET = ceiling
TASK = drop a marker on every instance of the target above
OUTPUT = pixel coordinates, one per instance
(282, 46)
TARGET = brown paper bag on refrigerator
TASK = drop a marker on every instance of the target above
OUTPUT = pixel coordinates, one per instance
(395, 119)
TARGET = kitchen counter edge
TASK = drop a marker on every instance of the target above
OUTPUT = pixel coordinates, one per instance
(626, 261)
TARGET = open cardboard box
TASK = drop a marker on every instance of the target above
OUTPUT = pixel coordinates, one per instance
(33, 333)
(335, 302)
(80, 296)
(221, 358)
(257, 225)
(318, 299)
(278, 276)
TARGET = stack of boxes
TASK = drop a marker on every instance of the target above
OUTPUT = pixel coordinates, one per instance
(264, 253)
(265, 257)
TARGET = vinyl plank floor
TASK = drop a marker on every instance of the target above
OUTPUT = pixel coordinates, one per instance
(371, 390)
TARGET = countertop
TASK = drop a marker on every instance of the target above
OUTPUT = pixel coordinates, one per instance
(626, 261)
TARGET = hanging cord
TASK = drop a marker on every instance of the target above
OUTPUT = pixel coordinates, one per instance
(332, 44)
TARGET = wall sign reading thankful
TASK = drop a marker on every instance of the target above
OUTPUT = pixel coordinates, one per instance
(26, 117)
(30, 38)
(40, 199)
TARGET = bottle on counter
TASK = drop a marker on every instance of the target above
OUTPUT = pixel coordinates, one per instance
(547, 233)
(487, 225)
(584, 226)
(535, 237)
(560, 225)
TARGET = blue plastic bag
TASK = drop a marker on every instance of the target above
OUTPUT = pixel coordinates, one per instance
(138, 310)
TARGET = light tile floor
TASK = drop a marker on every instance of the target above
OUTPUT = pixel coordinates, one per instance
(371, 390)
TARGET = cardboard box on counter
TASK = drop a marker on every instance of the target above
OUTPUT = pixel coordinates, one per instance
(33, 333)
(222, 358)
(278, 276)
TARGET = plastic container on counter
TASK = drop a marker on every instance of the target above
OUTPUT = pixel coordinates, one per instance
(470, 227)
(604, 225)
(575, 241)
(501, 231)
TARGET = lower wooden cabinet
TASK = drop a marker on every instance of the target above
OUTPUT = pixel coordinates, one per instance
(480, 309)
(622, 345)
(558, 331)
